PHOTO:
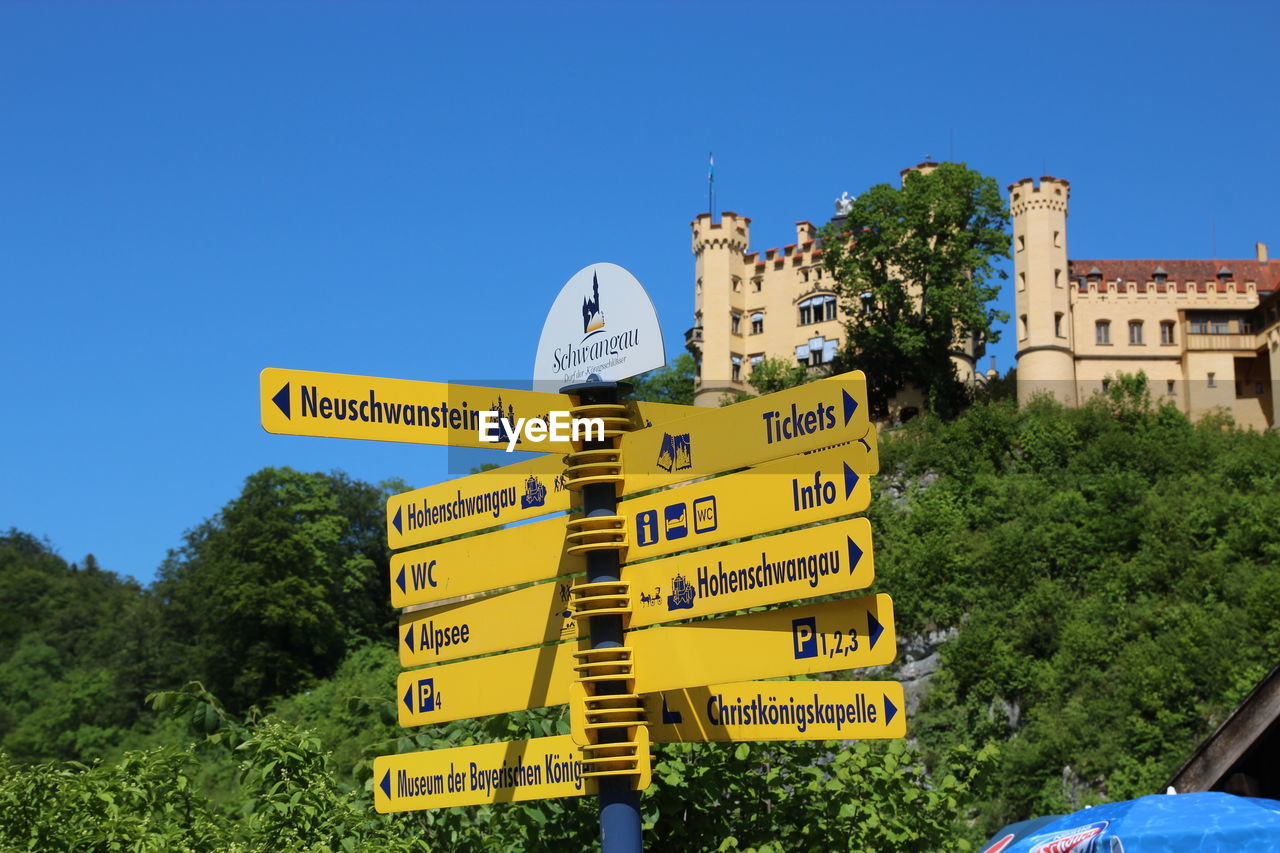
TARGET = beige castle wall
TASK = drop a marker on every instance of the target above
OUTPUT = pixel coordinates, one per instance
(729, 278)
(1041, 290)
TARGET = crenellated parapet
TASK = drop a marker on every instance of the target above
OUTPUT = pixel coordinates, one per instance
(731, 233)
(1050, 194)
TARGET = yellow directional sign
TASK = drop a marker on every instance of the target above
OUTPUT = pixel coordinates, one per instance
(806, 563)
(766, 710)
(489, 773)
(522, 490)
(530, 678)
(501, 558)
(339, 405)
(784, 493)
(832, 635)
(823, 637)
(813, 416)
(498, 623)
(517, 492)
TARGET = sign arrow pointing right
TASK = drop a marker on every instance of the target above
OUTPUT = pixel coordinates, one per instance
(850, 480)
(850, 406)
(855, 554)
(874, 629)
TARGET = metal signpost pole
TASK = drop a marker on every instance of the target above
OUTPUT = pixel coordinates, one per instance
(619, 804)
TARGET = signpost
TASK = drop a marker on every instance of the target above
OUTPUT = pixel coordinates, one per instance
(769, 710)
(517, 492)
(774, 569)
(809, 417)
(601, 606)
(848, 633)
(785, 493)
(486, 773)
(502, 558)
(832, 635)
(339, 405)
(498, 623)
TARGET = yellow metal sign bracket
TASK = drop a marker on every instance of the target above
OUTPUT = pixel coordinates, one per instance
(619, 709)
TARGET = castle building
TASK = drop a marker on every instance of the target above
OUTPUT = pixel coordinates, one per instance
(749, 306)
(1205, 332)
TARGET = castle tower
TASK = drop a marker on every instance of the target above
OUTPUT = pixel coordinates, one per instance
(717, 338)
(1046, 343)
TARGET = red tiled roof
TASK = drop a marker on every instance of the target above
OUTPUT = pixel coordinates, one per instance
(1267, 276)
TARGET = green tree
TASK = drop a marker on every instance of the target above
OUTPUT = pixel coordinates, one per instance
(770, 375)
(672, 383)
(914, 266)
(274, 590)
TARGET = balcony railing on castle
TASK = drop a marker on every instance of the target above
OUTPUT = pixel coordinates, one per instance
(1236, 342)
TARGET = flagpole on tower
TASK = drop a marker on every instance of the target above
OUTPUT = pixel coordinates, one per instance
(711, 184)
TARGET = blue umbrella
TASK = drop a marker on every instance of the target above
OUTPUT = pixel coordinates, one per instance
(1208, 822)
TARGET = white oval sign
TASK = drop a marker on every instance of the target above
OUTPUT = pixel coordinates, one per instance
(601, 325)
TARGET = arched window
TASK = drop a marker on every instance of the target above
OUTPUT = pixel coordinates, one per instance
(817, 309)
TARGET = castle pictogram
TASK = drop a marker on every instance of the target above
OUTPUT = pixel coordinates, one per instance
(535, 494)
(592, 319)
(681, 597)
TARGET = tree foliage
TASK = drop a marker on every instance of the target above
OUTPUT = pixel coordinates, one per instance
(271, 593)
(770, 375)
(914, 266)
(1111, 573)
(672, 383)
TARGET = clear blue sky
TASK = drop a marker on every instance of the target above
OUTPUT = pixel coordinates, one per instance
(194, 191)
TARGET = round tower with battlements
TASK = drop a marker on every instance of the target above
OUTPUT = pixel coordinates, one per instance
(1046, 347)
(717, 337)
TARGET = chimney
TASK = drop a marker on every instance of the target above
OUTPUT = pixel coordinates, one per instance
(1262, 252)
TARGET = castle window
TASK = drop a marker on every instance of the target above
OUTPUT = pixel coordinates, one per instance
(1246, 325)
(1057, 325)
(1198, 326)
(736, 362)
(819, 273)
(1057, 239)
(757, 284)
(1022, 281)
(1218, 326)
(698, 288)
(1213, 381)
(1102, 331)
(1135, 333)
(1166, 332)
(757, 323)
(1106, 384)
(817, 309)
(804, 275)
(756, 359)
(737, 284)
(1022, 243)
(1022, 327)
(1169, 387)
(735, 323)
